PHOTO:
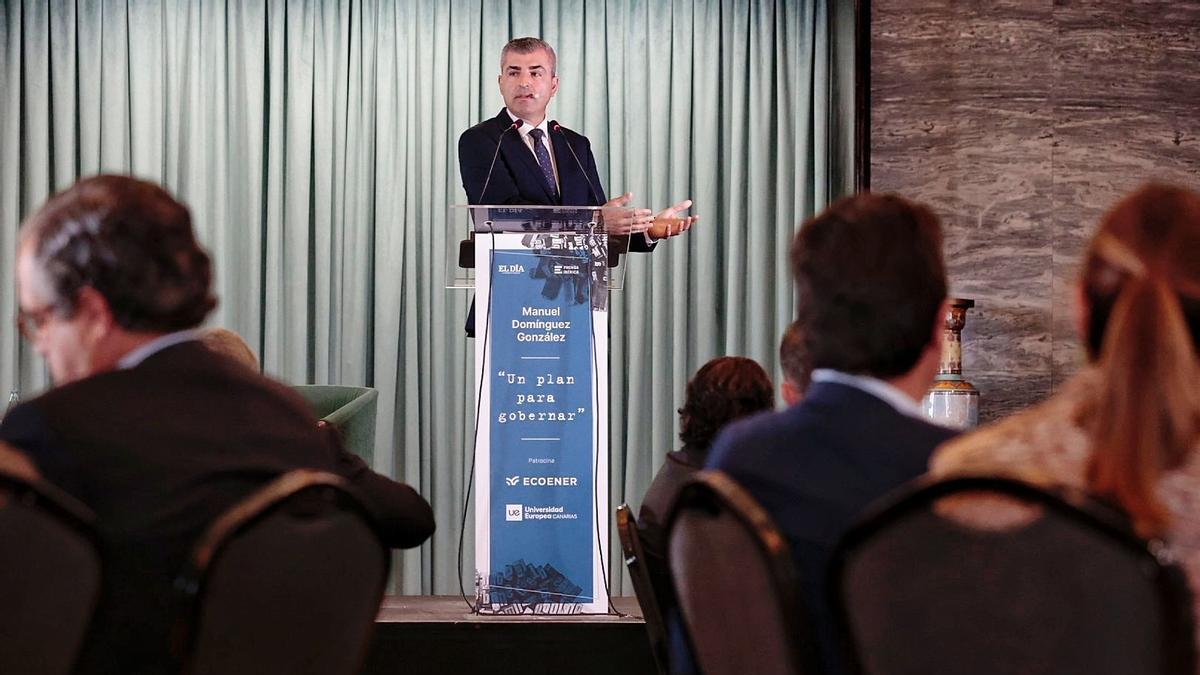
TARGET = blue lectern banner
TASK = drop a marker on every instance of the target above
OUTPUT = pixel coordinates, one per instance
(541, 474)
(541, 518)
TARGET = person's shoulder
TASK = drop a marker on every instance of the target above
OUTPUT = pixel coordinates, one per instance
(1026, 443)
(910, 441)
(755, 434)
(574, 137)
(238, 378)
(35, 424)
(25, 418)
(188, 365)
(570, 133)
(488, 129)
(931, 433)
(766, 423)
(854, 413)
(88, 388)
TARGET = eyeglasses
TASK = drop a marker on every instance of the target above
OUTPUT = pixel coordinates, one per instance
(31, 321)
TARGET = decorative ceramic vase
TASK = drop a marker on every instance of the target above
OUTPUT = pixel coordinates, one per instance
(952, 401)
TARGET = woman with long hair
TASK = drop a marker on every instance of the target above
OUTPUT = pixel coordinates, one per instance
(1126, 427)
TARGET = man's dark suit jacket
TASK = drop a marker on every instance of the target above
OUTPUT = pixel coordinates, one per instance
(517, 178)
(814, 467)
(158, 452)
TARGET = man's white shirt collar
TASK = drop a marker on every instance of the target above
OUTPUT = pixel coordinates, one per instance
(525, 128)
(876, 387)
(134, 357)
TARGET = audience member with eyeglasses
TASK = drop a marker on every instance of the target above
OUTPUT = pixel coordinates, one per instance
(153, 431)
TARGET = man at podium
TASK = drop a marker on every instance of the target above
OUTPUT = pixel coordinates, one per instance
(520, 156)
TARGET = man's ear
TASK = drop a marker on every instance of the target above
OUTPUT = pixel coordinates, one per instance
(790, 392)
(92, 309)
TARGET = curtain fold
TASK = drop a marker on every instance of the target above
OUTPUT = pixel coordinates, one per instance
(316, 144)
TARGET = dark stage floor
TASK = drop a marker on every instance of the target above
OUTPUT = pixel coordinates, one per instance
(415, 635)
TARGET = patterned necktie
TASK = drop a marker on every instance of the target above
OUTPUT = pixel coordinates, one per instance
(543, 160)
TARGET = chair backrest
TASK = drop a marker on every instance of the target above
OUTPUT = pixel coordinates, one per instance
(643, 586)
(49, 577)
(349, 410)
(288, 581)
(735, 583)
(989, 575)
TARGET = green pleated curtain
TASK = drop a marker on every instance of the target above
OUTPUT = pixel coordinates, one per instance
(315, 142)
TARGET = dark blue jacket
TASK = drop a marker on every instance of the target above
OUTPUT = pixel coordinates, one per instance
(814, 467)
(516, 178)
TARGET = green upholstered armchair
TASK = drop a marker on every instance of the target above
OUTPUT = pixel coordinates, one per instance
(350, 410)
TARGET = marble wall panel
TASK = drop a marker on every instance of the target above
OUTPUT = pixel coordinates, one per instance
(1100, 156)
(962, 121)
(1126, 97)
(1021, 122)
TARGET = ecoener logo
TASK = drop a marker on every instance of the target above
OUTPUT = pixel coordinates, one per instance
(541, 481)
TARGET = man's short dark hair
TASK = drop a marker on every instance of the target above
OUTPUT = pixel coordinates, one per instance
(869, 281)
(793, 357)
(724, 389)
(528, 45)
(130, 241)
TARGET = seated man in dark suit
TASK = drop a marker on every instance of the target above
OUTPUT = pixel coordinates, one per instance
(872, 288)
(149, 428)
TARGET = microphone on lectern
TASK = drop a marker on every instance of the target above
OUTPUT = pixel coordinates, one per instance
(555, 126)
(515, 125)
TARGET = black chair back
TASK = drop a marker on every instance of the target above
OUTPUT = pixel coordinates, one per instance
(734, 580)
(288, 581)
(643, 586)
(49, 577)
(989, 575)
